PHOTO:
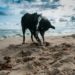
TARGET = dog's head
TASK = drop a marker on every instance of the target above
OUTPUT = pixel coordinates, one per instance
(37, 15)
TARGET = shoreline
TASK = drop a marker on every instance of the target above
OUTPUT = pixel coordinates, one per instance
(28, 35)
(18, 33)
(51, 39)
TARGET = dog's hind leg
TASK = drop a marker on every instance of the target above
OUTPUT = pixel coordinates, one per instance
(32, 35)
(36, 36)
(42, 34)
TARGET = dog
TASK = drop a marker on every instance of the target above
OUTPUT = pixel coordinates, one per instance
(36, 24)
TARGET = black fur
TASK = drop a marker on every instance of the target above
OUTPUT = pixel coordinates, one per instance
(44, 25)
(30, 21)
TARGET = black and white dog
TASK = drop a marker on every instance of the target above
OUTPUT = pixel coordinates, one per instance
(36, 24)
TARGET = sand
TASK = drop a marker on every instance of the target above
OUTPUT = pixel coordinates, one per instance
(56, 58)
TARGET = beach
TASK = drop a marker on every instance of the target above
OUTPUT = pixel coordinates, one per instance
(57, 57)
